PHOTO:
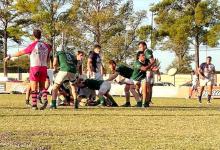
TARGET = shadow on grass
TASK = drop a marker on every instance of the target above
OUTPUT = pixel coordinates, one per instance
(167, 108)
(14, 108)
(109, 115)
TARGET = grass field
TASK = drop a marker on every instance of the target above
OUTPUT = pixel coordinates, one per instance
(169, 124)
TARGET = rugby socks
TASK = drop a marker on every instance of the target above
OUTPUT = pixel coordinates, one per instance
(150, 97)
(40, 95)
(44, 94)
(114, 104)
(209, 98)
(200, 99)
(139, 104)
(127, 95)
(54, 104)
(34, 98)
(102, 100)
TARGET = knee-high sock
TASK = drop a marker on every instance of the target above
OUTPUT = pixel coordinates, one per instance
(34, 97)
(112, 100)
(44, 94)
(209, 97)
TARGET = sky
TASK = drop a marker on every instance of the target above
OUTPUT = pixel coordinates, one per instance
(165, 57)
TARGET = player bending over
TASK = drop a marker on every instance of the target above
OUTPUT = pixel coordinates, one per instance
(125, 72)
(103, 88)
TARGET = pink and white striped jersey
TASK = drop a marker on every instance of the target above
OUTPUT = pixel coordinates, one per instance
(39, 53)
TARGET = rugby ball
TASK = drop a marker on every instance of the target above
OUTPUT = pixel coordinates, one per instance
(172, 71)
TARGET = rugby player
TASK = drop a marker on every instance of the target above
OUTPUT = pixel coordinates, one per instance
(103, 88)
(149, 80)
(67, 62)
(125, 72)
(94, 65)
(206, 73)
(139, 74)
(39, 55)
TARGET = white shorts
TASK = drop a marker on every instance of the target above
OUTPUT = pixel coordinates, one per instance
(128, 81)
(206, 82)
(88, 93)
(194, 86)
(105, 87)
(63, 75)
(96, 76)
(149, 77)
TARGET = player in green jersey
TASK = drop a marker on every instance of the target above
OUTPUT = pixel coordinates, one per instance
(149, 79)
(126, 73)
(67, 62)
(103, 88)
(139, 73)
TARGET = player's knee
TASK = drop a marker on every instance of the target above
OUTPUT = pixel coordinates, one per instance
(56, 86)
(34, 92)
(101, 94)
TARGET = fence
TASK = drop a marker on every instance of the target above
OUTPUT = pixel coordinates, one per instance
(177, 80)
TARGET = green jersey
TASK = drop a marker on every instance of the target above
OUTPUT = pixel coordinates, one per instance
(67, 61)
(124, 71)
(93, 84)
(148, 54)
(137, 74)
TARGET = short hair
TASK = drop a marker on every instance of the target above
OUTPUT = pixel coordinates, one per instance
(80, 52)
(142, 43)
(37, 33)
(112, 62)
(209, 57)
(97, 46)
(138, 54)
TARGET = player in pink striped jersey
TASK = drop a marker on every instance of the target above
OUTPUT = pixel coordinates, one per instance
(39, 55)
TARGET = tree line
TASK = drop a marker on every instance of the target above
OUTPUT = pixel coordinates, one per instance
(115, 25)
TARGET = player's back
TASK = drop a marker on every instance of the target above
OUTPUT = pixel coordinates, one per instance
(67, 61)
(39, 54)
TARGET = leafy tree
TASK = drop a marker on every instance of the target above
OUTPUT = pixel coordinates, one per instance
(45, 15)
(186, 22)
(112, 24)
(11, 24)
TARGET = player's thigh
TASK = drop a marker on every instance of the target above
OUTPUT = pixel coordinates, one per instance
(47, 83)
(144, 86)
(60, 77)
(42, 85)
(34, 85)
(105, 87)
(72, 78)
(203, 82)
(98, 76)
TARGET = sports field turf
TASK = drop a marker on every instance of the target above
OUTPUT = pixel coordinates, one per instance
(169, 124)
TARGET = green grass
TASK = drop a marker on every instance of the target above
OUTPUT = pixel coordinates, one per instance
(169, 124)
